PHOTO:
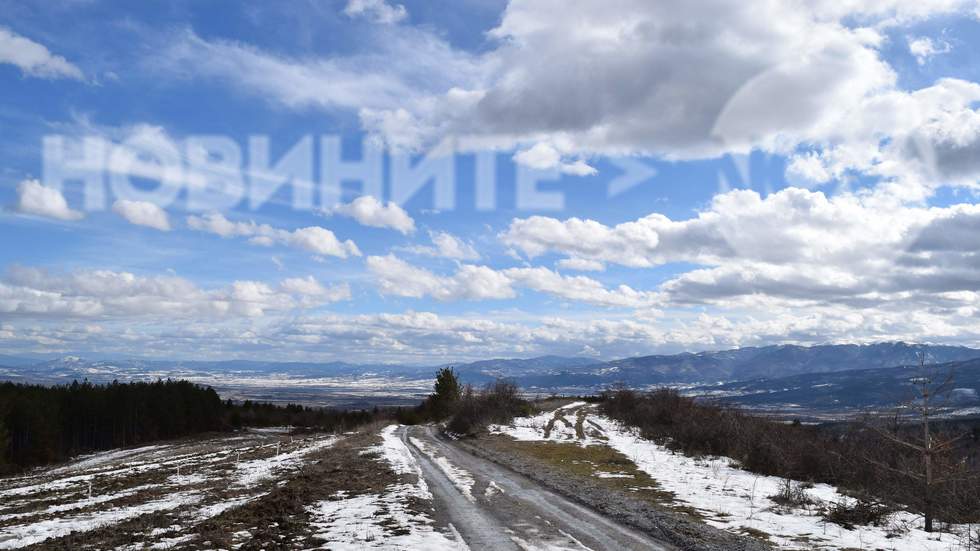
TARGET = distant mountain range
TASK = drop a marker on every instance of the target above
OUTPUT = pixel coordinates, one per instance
(885, 387)
(708, 367)
(545, 372)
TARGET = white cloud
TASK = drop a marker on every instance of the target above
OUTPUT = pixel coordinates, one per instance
(377, 11)
(933, 139)
(397, 277)
(321, 241)
(924, 48)
(369, 211)
(544, 156)
(35, 198)
(309, 287)
(33, 58)
(593, 90)
(142, 213)
(794, 248)
(37, 293)
(450, 246)
(400, 66)
(581, 265)
(565, 82)
(313, 239)
(446, 245)
(580, 288)
(430, 338)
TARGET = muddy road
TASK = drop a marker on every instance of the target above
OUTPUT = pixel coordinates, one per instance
(492, 507)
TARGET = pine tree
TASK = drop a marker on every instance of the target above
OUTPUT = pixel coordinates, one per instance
(446, 395)
(4, 443)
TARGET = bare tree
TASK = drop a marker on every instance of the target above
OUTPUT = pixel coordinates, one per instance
(931, 388)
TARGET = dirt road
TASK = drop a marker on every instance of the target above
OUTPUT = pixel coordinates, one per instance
(493, 507)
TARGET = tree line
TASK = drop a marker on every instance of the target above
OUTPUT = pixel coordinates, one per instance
(465, 408)
(41, 425)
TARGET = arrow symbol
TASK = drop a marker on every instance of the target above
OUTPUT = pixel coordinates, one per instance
(635, 172)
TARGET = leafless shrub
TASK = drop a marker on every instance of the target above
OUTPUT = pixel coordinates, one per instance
(857, 512)
(853, 456)
(793, 494)
(498, 402)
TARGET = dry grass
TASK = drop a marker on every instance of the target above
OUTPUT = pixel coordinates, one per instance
(588, 461)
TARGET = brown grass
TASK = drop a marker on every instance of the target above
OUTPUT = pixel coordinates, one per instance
(586, 462)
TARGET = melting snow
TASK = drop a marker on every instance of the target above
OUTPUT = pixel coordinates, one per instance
(258, 470)
(734, 499)
(382, 520)
(459, 477)
(100, 489)
(14, 537)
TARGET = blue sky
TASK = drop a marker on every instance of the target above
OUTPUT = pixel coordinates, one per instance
(725, 175)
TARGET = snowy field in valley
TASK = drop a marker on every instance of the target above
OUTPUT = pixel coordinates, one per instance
(181, 484)
(726, 496)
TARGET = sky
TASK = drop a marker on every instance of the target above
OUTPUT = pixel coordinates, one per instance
(419, 182)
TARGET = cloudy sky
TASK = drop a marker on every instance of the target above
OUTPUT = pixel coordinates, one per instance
(423, 181)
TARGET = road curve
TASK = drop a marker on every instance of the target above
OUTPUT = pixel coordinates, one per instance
(493, 507)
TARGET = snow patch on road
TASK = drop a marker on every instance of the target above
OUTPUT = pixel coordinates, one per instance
(397, 454)
(459, 477)
(492, 489)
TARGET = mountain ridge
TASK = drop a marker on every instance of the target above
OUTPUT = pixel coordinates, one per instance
(542, 372)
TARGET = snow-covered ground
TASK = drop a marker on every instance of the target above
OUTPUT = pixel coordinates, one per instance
(734, 499)
(559, 425)
(383, 520)
(191, 481)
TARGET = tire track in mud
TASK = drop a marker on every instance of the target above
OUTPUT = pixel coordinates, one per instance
(508, 510)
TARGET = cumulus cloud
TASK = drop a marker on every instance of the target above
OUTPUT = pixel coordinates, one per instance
(314, 239)
(377, 11)
(544, 156)
(771, 77)
(142, 213)
(580, 288)
(581, 265)
(429, 337)
(369, 211)
(446, 245)
(396, 277)
(620, 83)
(312, 292)
(34, 59)
(794, 246)
(37, 293)
(35, 198)
(933, 137)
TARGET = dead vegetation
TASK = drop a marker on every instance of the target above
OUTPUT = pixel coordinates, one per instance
(280, 519)
(860, 458)
(267, 513)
